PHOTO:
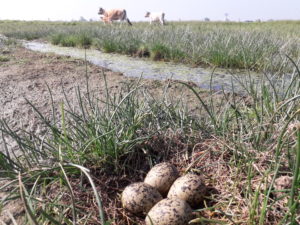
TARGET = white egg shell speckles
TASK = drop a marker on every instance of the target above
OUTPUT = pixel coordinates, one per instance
(169, 212)
(161, 177)
(139, 198)
(190, 188)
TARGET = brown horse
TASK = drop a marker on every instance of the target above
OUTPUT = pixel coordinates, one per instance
(108, 16)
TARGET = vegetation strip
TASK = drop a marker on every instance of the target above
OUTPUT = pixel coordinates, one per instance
(259, 46)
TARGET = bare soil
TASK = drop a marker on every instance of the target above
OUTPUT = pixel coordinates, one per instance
(27, 74)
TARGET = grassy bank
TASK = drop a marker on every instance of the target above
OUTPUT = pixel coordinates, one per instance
(242, 145)
(260, 46)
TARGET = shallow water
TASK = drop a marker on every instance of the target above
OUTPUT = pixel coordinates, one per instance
(136, 67)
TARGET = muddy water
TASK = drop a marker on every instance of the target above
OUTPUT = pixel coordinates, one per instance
(136, 67)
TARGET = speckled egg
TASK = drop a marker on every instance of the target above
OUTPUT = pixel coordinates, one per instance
(161, 177)
(169, 212)
(139, 198)
(190, 188)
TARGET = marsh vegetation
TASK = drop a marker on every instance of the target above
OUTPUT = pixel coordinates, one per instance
(260, 46)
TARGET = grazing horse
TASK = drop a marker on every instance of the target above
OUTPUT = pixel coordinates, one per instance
(108, 16)
(156, 17)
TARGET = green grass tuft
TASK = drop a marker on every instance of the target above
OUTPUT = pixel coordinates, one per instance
(160, 52)
(4, 58)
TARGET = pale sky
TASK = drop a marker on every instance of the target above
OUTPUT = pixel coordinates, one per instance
(174, 9)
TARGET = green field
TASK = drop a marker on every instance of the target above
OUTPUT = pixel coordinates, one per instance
(259, 46)
(243, 143)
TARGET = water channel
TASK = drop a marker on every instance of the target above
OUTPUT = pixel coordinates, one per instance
(148, 69)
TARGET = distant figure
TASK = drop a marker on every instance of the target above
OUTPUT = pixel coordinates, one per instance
(156, 17)
(107, 16)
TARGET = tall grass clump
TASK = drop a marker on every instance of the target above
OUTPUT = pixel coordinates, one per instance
(72, 40)
(109, 46)
(4, 58)
(69, 41)
(84, 41)
(159, 52)
(93, 131)
(56, 39)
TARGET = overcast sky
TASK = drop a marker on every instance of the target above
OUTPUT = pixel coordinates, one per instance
(174, 9)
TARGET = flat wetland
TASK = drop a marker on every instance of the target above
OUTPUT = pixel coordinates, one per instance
(75, 134)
